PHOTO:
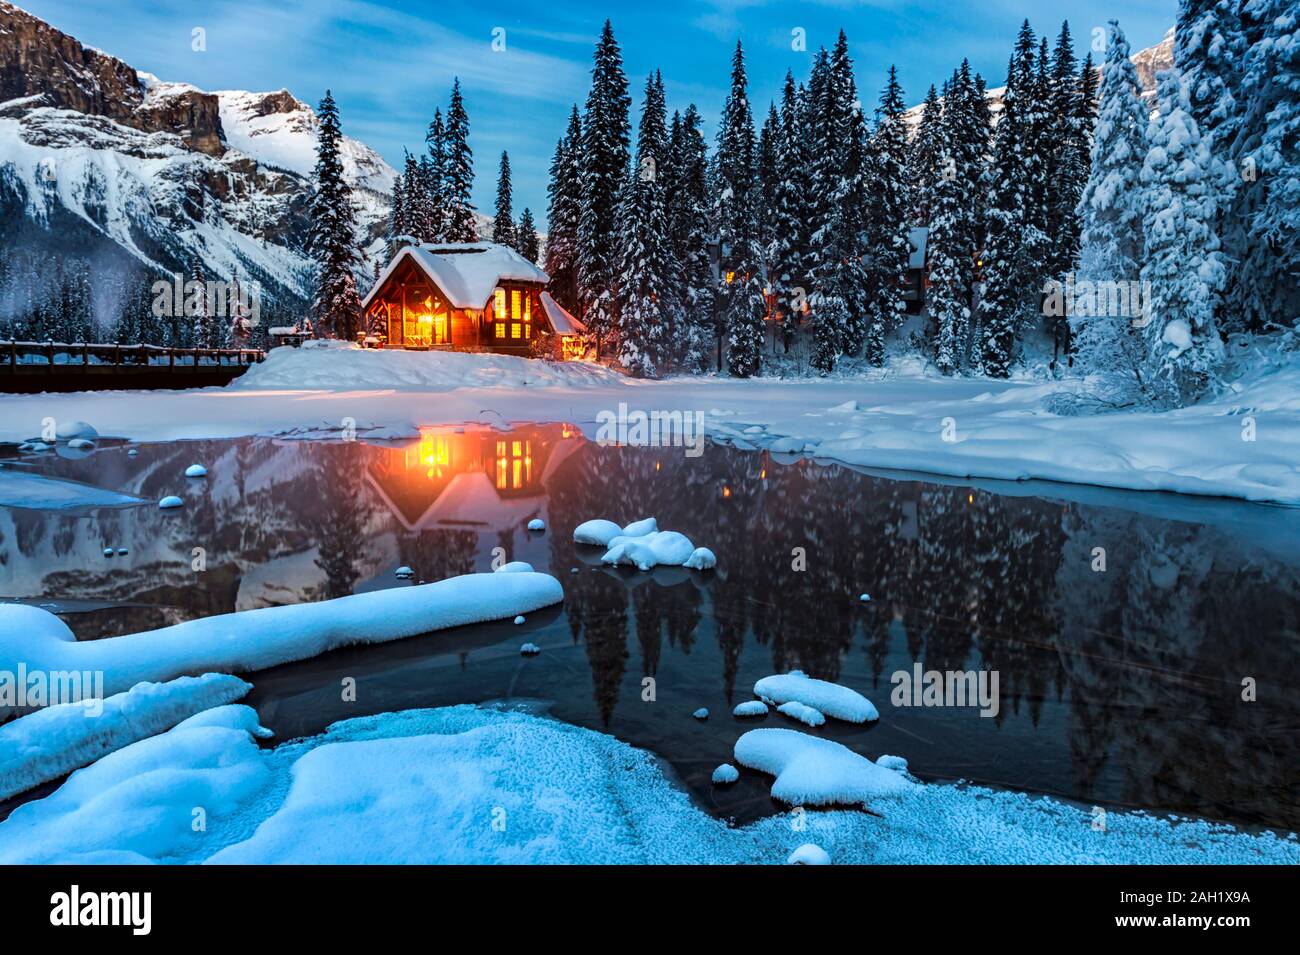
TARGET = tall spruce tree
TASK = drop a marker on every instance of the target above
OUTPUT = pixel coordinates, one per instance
(648, 281)
(688, 212)
(887, 226)
(954, 223)
(332, 240)
(564, 211)
(735, 211)
(397, 225)
(527, 242)
(458, 181)
(604, 164)
(435, 142)
(788, 252)
(923, 159)
(503, 225)
(1183, 265)
(1111, 243)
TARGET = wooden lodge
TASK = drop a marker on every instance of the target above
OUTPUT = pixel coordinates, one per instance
(472, 296)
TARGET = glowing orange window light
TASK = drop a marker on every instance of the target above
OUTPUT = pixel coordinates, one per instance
(500, 303)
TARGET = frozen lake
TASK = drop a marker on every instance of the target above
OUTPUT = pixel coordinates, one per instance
(1119, 687)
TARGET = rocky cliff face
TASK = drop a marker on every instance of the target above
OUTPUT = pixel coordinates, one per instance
(111, 160)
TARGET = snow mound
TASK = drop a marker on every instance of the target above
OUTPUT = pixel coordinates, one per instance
(170, 501)
(600, 532)
(530, 650)
(701, 714)
(68, 430)
(701, 559)
(252, 640)
(750, 708)
(519, 619)
(809, 854)
(668, 548)
(811, 771)
(537, 524)
(52, 742)
(804, 714)
(833, 700)
(196, 471)
(725, 774)
(356, 368)
(515, 567)
(895, 763)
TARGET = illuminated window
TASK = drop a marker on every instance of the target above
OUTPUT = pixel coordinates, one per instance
(528, 331)
(500, 330)
(501, 303)
(514, 330)
(528, 308)
(516, 308)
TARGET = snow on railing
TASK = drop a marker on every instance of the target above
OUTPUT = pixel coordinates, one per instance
(66, 354)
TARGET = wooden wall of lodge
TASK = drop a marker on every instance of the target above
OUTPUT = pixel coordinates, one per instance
(406, 290)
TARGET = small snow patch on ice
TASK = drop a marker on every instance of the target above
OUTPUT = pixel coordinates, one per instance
(808, 854)
(804, 714)
(404, 572)
(750, 708)
(811, 771)
(865, 598)
(519, 619)
(170, 501)
(537, 524)
(724, 774)
(701, 559)
(896, 763)
(196, 471)
(831, 699)
(701, 714)
(529, 649)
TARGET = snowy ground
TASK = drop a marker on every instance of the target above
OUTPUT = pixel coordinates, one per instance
(472, 785)
(1245, 445)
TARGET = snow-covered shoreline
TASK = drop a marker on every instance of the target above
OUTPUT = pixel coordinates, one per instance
(468, 784)
(1245, 445)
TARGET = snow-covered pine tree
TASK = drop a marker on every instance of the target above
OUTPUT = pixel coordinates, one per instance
(528, 242)
(1260, 229)
(1183, 265)
(923, 159)
(1067, 171)
(415, 190)
(1111, 243)
(564, 209)
(648, 281)
(787, 253)
(458, 182)
(735, 212)
(332, 239)
(954, 226)
(887, 226)
(503, 224)
(688, 213)
(604, 164)
(436, 187)
(766, 170)
(397, 224)
(1012, 234)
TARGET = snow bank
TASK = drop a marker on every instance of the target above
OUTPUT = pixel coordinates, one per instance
(811, 771)
(830, 698)
(256, 639)
(422, 786)
(52, 742)
(643, 545)
(353, 368)
(22, 489)
(515, 567)
(804, 714)
(139, 804)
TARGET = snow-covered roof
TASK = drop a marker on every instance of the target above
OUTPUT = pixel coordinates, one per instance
(562, 323)
(465, 272)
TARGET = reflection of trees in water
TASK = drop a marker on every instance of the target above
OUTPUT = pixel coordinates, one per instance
(437, 553)
(337, 523)
(1146, 643)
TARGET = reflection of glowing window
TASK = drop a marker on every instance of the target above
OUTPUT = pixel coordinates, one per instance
(501, 474)
(501, 303)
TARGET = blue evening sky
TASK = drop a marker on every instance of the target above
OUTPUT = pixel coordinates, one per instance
(390, 63)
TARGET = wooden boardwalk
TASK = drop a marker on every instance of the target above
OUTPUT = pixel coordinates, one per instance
(31, 367)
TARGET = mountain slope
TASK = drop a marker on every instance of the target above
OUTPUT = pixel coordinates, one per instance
(166, 173)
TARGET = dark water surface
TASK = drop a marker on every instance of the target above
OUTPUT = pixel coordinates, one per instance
(1121, 688)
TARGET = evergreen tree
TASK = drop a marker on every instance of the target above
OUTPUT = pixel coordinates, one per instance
(766, 170)
(887, 227)
(788, 250)
(648, 280)
(954, 226)
(1111, 243)
(735, 211)
(529, 244)
(332, 241)
(458, 182)
(415, 193)
(436, 186)
(1183, 264)
(604, 163)
(688, 214)
(923, 159)
(1067, 170)
(1012, 237)
(564, 211)
(397, 224)
(503, 225)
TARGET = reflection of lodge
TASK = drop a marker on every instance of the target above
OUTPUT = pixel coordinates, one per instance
(469, 477)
